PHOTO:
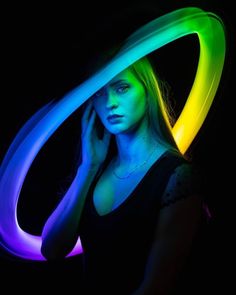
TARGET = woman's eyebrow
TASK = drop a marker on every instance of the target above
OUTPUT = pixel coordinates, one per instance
(117, 82)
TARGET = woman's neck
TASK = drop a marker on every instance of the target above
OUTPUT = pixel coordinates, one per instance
(134, 147)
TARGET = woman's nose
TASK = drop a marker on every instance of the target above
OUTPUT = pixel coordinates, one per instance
(112, 100)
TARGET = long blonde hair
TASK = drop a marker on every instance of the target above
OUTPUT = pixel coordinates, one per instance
(160, 114)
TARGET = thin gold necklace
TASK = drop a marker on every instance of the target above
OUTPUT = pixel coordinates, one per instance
(135, 168)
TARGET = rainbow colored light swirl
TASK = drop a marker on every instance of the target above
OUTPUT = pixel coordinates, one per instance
(38, 129)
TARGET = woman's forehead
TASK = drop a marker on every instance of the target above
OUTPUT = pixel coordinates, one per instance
(126, 75)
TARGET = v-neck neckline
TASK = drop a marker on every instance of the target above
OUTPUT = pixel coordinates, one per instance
(129, 197)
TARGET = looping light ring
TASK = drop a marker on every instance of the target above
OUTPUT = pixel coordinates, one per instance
(38, 129)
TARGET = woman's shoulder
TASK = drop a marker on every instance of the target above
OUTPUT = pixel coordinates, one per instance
(170, 160)
(185, 179)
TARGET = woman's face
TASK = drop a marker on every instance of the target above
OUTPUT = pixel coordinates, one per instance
(121, 104)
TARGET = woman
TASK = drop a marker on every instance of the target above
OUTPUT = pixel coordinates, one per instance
(134, 201)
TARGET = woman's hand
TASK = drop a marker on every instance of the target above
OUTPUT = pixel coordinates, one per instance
(94, 149)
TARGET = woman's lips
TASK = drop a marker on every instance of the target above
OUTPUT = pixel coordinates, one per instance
(114, 118)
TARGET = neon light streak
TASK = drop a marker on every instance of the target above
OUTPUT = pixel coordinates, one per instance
(34, 134)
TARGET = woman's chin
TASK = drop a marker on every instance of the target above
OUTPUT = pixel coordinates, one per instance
(115, 130)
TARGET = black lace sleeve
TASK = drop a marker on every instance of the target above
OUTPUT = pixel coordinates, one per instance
(184, 181)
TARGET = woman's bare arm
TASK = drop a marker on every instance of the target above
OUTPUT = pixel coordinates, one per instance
(60, 232)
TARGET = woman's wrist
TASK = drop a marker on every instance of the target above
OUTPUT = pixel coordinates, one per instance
(88, 168)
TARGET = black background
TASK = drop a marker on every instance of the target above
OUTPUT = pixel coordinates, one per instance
(44, 52)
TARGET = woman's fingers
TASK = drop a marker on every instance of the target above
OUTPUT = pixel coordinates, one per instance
(94, 149)
(85, 117)
(90, 123)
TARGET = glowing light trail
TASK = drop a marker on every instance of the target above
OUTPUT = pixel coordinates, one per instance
(34, 134)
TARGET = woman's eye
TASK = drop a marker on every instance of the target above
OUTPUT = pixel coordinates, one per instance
(99, 93)
(122, 89)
